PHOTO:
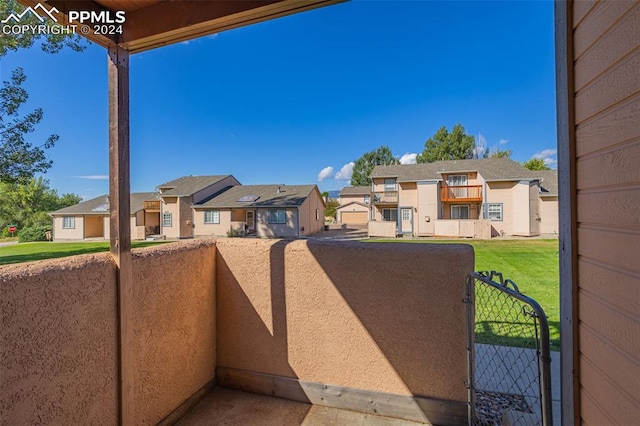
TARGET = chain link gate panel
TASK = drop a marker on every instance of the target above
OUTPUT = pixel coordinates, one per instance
(508, 352)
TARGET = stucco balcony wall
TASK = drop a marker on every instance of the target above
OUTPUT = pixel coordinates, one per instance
(374, 317)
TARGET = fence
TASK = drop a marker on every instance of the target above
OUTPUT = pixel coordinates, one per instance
(508, 352)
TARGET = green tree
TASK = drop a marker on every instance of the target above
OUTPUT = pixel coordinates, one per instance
(497, 153)
(331, 209)
(22, 159)
(50, 43)
(365, 164)
(28, 204)
(445, 145)
(536, 164)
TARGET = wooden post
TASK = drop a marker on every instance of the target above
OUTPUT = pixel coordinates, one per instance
(120, 229)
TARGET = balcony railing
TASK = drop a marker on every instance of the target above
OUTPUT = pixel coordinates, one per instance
(386, 197)
(461, 193)
(152, 205)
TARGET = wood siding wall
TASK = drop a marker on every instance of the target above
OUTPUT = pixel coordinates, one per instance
(606, 54)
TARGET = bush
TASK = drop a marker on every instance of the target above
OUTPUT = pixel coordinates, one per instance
(34, 233)
(235, 232)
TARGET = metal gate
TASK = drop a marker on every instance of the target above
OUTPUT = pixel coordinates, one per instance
(509, 376)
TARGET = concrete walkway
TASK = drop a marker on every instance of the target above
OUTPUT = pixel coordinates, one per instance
(230, 408)
(514, 371)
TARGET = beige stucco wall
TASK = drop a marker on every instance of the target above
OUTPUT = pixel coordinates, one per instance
(521, 209)
(346, 199)
(534, 209)
(428, 206)
(516, 207)
(211, 229)
(175, 322)
(382, 229)
(59, 233)
(58, 360)
(316, 311)
(58, 342)
(309, 220)
(549, 215)
(269, 230)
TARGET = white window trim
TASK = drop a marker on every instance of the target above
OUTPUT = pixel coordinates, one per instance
(71, 224)
(501, 211)
(166, 215)
(213, 220)
(278, 220)
(388, 187)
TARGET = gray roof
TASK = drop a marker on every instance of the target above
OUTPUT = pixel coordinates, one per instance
(188, 185)
(549, 184)
(100, 205)
(260, 196)
(355, 190)
(491, 169)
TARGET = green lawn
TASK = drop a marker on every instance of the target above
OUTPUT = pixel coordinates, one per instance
(531, 264)
(28, 252)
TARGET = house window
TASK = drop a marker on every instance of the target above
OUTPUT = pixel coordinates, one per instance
(389, 184)
(277, 217)
(212, 216)
(460, 212)
(390, 215)
(494, 211)
(367, 199)
(457, 180)
(167, 219)
(68, 223)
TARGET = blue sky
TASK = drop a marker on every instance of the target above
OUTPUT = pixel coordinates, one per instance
(295, 100)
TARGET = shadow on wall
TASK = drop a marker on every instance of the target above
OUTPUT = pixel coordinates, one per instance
(367, 316)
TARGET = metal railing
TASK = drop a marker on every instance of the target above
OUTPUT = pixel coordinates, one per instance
(509, 357)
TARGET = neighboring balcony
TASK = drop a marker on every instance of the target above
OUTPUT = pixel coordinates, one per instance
(152, 206)
(386, 197)
(469, 193)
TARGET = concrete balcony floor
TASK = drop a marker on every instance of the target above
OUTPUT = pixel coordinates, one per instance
(231, 407)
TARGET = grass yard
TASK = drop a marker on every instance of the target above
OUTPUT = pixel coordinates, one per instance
(531, 264)
(28, 252)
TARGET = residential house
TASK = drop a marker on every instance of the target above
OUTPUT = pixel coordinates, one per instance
(90, 219)
(549, 202)
(180, 195)
(462, 198)
(354, 205)
(264, 210)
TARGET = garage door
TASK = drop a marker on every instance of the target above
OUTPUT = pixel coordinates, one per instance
(354, 218)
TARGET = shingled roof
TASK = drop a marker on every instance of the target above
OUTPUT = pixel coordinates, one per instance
(188, 185)
(260, 196)
(100, 205)
(355, 190)
(491, 169)
(549, 184)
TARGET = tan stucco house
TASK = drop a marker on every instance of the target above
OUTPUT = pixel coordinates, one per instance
(90, 219)
(354, 205)
(263, 210)
(463, 198)
(180, 195)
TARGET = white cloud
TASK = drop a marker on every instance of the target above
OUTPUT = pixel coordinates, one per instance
(325, 173)
(93, 177)
(408, 158)
(502, 141)
(345, 172)
(547, 155)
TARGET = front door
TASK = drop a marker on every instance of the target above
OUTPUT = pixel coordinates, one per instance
(406, 220)
(251, 225)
